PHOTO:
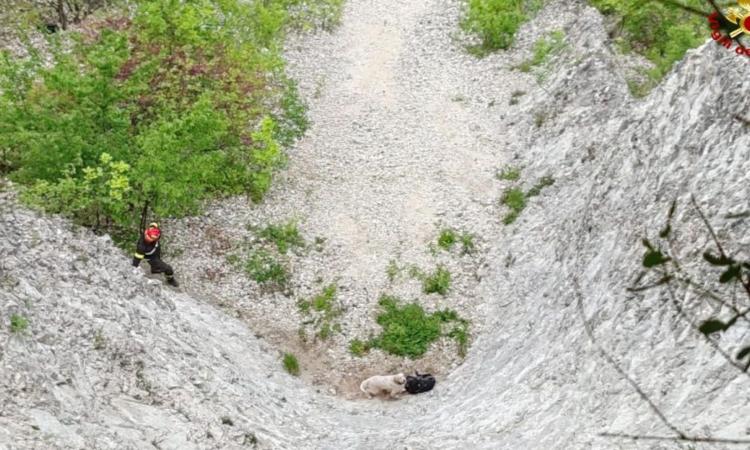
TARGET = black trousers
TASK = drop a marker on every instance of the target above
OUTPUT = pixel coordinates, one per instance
(159, 266)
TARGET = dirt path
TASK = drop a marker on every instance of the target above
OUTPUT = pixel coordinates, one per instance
(406, 136)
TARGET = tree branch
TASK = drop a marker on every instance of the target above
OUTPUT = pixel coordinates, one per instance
(617, 367)
(645, 437)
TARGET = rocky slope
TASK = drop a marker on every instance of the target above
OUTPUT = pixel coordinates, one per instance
(114, 360)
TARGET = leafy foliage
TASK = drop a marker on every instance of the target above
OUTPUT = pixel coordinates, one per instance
(496, 21)
(171, 102)
(660, 31)
(669, 271)
(408, 330)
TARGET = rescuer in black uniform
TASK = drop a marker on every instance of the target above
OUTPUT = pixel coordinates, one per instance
(148, 249)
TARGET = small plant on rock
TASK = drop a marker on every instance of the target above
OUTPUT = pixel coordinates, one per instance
(18, 323)
(447, 239)
(291, 364)
(467, 244)
(509, 173)
(514, 199)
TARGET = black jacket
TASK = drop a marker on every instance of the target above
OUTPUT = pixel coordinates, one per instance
(145, 250)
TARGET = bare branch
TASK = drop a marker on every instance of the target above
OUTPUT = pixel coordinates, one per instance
(708, 225)
(745, 284)
(711, 342)
(617, 367)
(645, 437)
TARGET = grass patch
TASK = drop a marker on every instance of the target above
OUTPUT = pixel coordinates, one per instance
(18, 323)
(509, 173)
(541, 184)
(285, 236)
(515, 199)
(544, 49)
(323, 302)
(438, 281)
(265, 269)
(461, 334)
(358, 347)
(659, 31)
(324, 310)
(407, 329)
(467, 244)
(291, 364)
(496, 22)
(447, 239)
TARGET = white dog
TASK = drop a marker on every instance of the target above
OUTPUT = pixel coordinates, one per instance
(390, 384)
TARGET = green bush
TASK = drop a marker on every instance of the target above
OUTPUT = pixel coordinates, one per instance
(660, 31)
(407, 330)
(439, 281)
(291, 364)
(496, 21)
(170, 102)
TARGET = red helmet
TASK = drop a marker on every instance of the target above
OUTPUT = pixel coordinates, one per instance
(152, 232)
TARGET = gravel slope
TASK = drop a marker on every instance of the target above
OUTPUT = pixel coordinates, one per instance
(407, 133)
